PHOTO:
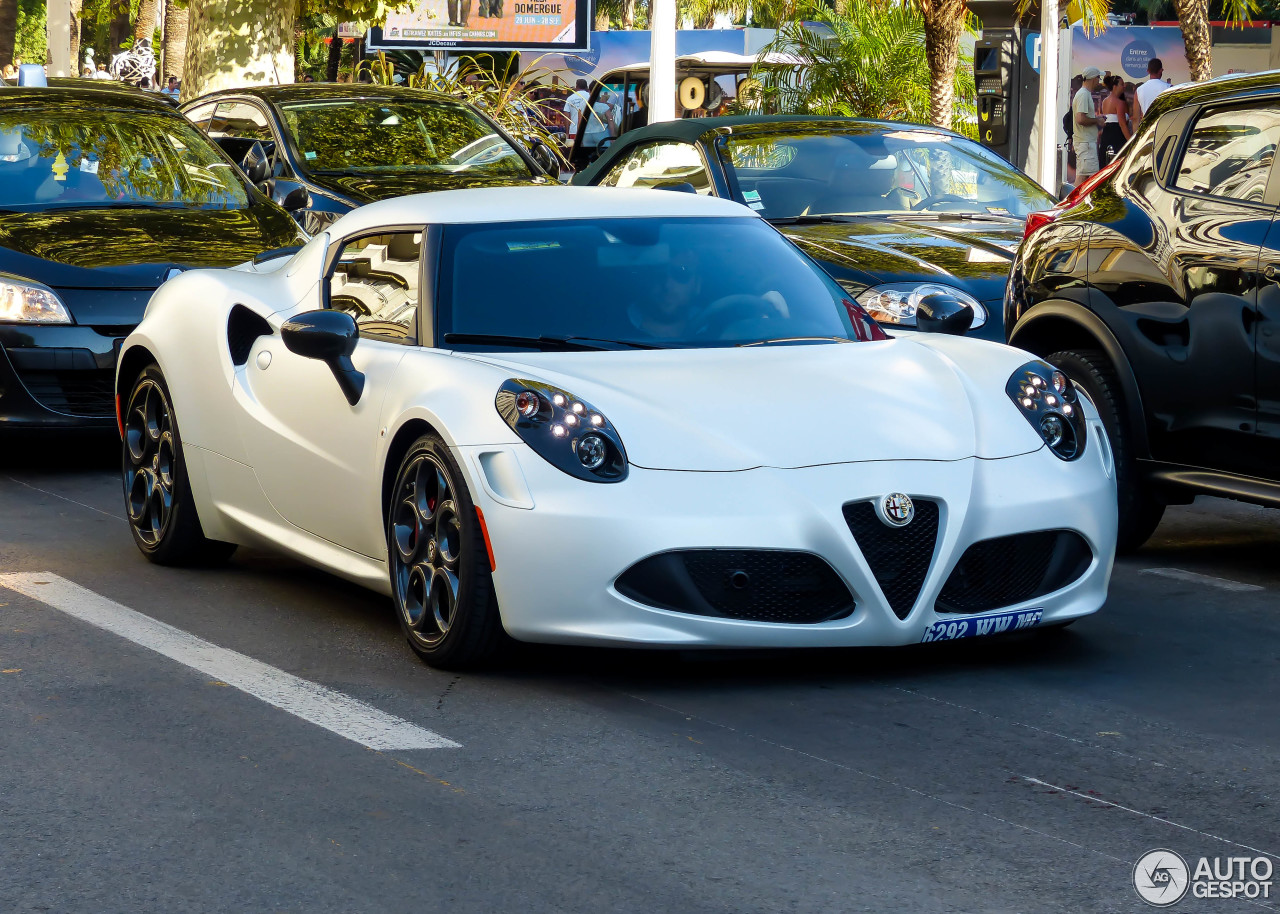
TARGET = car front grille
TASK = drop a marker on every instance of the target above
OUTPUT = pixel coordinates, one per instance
(755, 585)
(899, 557)
(1009, 570)
(84, 392)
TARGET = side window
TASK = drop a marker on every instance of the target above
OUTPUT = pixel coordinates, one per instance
(1229, 153)
(375, 280)
(201, 116)
(663, 162)
(240, 120)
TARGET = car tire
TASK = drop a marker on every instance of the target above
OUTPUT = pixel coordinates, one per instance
(1140, 511)
(441, 579)
(157, 491)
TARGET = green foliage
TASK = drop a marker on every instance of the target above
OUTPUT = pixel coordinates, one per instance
(868, 63)
(30, 41)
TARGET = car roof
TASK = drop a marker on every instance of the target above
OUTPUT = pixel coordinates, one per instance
(1220, 87)
(61, 91)
(532, 204)
(297, 92)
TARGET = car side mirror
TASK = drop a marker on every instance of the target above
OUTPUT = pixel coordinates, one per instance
(297, 199)
(940, 313)
(547, 160)
(330, 337)
(256, 165)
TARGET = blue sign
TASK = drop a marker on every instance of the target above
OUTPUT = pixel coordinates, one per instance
(1134, 57)
(1031, 50)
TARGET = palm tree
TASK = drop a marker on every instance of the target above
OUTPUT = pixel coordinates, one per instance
(944, 22)
(8, 30)
(175, 39)
(1193, 19)
(145, 25)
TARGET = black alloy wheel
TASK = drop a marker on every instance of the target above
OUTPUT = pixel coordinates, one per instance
(1140, 510)
(439, 563)
(157, 494)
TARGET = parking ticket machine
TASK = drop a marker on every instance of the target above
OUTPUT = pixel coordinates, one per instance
(1008, 91)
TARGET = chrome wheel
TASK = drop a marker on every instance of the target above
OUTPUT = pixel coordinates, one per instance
(150, 462)
(426, 535)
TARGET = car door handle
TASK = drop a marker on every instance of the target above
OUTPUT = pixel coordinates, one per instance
(1271, 272)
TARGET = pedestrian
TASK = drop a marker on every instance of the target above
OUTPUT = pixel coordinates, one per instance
(1149, 91)
(575, 105)
(1076, 82)
(1115, 129)
(9, 72)
(171, 88)
(145, 84)
(1086, 125)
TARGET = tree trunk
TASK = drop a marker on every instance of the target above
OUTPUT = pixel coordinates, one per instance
(175, 40)
(335, 57)
(8, 30)
(628, 14)
(77, 7)
(234, 43)
(1193, 17)
(145, 25)
(943, 26)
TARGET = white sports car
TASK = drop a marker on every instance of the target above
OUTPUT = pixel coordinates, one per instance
(598, 416)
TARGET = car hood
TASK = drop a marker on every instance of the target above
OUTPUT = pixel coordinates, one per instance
(366, 188)
(973, 255)
(795, 406)
(135, 248)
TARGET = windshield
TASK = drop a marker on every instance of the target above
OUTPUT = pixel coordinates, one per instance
(661, 282)
(53, 158)
(876, 171)
(366, 136)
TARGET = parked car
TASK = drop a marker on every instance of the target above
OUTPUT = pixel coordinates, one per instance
(644, 452)
(105, 192)
(1154, 286)
(893, 211)
(322, 150)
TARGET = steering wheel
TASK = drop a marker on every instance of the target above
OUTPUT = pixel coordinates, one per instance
(729, 309)
(939, 198)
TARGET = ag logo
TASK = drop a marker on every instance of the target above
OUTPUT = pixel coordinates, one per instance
(1161, 878)
(896, 509)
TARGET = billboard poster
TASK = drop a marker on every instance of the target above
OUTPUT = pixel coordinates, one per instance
(485, 25)
(1125, 49)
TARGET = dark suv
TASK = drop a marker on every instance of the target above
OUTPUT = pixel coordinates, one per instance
(1156, 286)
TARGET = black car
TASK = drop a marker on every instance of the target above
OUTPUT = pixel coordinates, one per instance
(894, 212)
(322, 150)
(104, 193)
(1155, 287)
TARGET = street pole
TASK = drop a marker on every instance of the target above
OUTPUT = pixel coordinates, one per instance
(59, 36)
(662, 60)
(1047, 170)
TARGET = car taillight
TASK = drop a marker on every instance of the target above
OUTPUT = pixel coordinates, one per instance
(1037, 221)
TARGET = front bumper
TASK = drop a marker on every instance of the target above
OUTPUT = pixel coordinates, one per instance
(560, 545)
(58, 376)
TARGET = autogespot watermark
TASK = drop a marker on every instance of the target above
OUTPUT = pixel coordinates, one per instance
(1162, 877)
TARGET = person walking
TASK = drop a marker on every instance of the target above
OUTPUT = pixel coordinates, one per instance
(575, 105)
(1086, 124)
(1149, 91)
(1115, 114)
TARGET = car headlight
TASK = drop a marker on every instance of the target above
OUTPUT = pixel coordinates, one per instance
(1049, 401)
(26, 302)
(896, 302)
(566, 431)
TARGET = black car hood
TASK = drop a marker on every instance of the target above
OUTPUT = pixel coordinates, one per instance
(135, 248)
(366, 188)
(972, 255)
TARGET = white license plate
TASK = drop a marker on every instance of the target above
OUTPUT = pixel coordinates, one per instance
(975, 626)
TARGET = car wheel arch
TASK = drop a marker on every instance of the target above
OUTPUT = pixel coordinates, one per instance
(132, 361)
(1054, 325)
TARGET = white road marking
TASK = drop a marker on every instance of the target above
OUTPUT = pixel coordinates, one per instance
(1209, 580)
(1146, 815)
(320, 705)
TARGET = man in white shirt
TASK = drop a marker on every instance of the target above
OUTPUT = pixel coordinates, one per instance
(1086, 121)
(1149, 91)
(574, 105)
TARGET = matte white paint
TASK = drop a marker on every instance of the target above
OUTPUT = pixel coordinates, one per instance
(317, 704)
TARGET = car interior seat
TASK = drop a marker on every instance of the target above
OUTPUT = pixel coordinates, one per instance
(862, 182)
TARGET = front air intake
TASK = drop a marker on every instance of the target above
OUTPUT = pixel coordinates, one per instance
(899, 556)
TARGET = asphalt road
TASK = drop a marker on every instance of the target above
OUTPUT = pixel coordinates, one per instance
(1027, 774)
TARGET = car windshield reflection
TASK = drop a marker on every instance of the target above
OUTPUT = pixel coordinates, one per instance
(636, 283)
(876, 172)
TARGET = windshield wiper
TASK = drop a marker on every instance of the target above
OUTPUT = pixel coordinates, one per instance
(798, 339)
(570, 343)
(953, 217)
(818, 219)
